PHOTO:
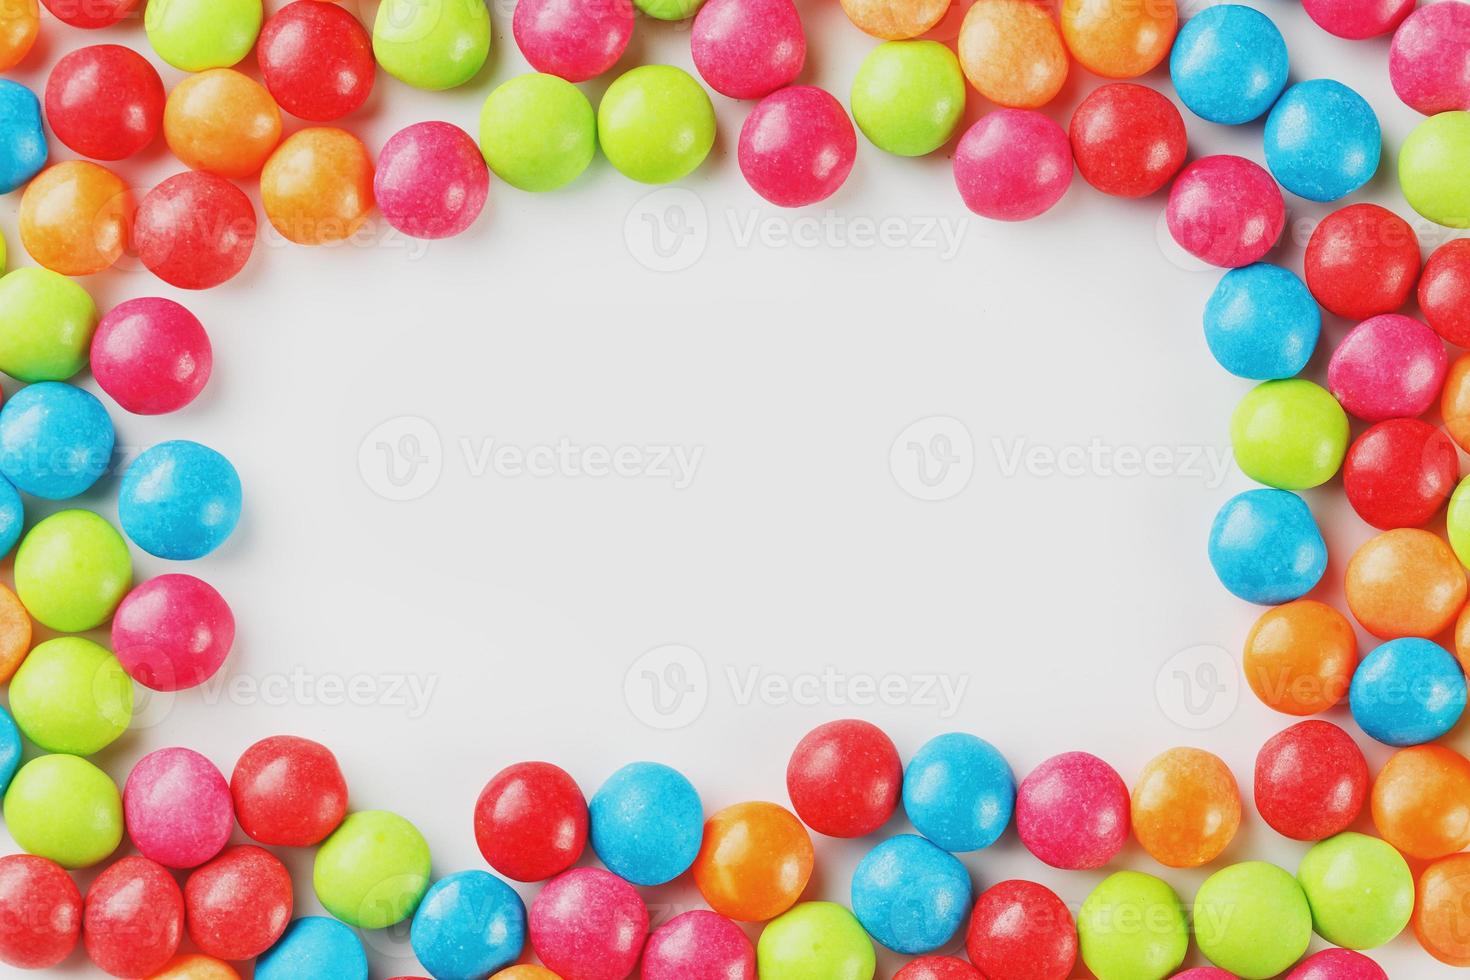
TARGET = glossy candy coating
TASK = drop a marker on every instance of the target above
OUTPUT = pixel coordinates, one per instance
(195, 230)
(698, 945)
(531, 821)
(645, 823)
(669, 10)
(179, 500)
(173, 632)
(20, 24)
(1358, 237)
(656, 124)
(1311, 781)
(46, 325)
(1439, 917)
(432, 44)
(1337, 964)
(64, 808)
(1444, 291)
(1129, 140)
(104, 101)
(238, 904)
(72, 570)
(589, 923)
(1229, 64)
(1405, 582)
(911, 896)
(314, 948)
(1186, 808)
(90, 14)
(71, 695)
(1023, 930)
(908, 97)
(373, 871)
(1391, 366)
(1012, 52)
(1072, 812)
(40, 912)
(1358, 20)
(1013, 165)
(196, 35)
(895, 20)
(133, 918)
(754, 862)
(1119, 38)
(1112, 944)
(1407, 692)
(1429, 62)
(844, 779)
(317, 187)
(12, 523)
(1421, 801)
(938, 968)
(469, 924)
(747, 49)
(11, 750)
(959, 792)
(316, 59)
(1360, 890)
(526, 971)
(1252, 919)
(178, 809)
(1323, 140)
(1266, 548)
(1457, 521)
(151, 356)
(575, 41)
(75, 218)
(538, 132)
(1432, 165)
(56, 440)
(288, 792)
(23, 147)
(431, 181)
(1399, 473)
(1226, 210)
(196, 966)
(816, 939)
(1290, 434)
(797, 146)
(1262, 323)
(222, 122)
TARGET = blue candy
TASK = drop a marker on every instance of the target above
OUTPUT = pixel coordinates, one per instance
(179, 500)
(646, 823)
(468, 926)
(1266, 547)
(1262, 322)
(314, 948)
(10, 750)
(911, 896)
(22, 140)
(959, 792)
(1229, 64)
(1407, 692)
(12, 516)
(1323, 140)
(55, 440)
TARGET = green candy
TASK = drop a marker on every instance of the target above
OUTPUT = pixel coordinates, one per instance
(373, 871)
(1252, 920)
(1457, 521)
(71, 695)
(4, 255)
(669, 9)
(64, 808)
(1289, 434)
(432, 44)
(1132, 928)
(1434, 169)
(72, 570)
(197, 35)
(816, 940)
(908, 97)
(1360, 889)
(538, 132)
(46, 325)
(656, 124)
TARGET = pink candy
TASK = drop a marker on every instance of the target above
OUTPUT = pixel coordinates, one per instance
(1429, 63)
(431, 180)
(1337, 964)
(1072, 812)
(1204, 973)
(1226, 211)
(699, 945)
(173, 632)
(1013, 164)
(151, 355)
(797, 146)
(1358, 20)
(177, 808)
(576, 39)
(747, 49)
(589, 924)
(1389, 367)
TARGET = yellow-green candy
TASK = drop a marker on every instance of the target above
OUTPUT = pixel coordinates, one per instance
(908, 97)
(1360, 890)
(1289, 434)
(669, 9)
(71, 695)
(1252, 920)
(1132, 928)
(197, 35)
(64, 808)
(1434, 169)
(656, 124)
(538, 132)
(432, 44)
(373, 871)
(46, 325)
(816, 939)
(72, 570)
(1457, 522)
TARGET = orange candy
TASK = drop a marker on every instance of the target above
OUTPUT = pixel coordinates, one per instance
(1186, 808)
(20, 22)
(1405, 582)
(1454, 401)
(1421, 802)
(193, 966)
(75, 217)
(1300, 657)
(895, 20)
(525, 971)
(15, 634)
(318, 186)
(1462, 638)
(222, 122)
(1442, 910)
(1012, 53)
(755, 862)
(1119, 38)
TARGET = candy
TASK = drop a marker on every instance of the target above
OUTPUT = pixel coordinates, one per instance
(1186, 808)
(938, 968)
(671, 10)
(1391, 366)
(151, 355)
(1358, 237)
(1265, 547)
(1429, 62)
(316, 60)
(432, 44)
(1360, 890)
(531, 821)
(526, 971)
(90, 14)
(911, 896)
(656, 124)
(1323, 140)
(11, 750)
(1421, 802)
(895, 20)
(64, 808)
(314, 948)
(179, 500)
(1119, 38)
(222, 122)
(1300, 657)
(431, 180)
(1226, 210)
(1311, 781)
(844, 779)
(178, 809)
(194, 966)
(12, 523)
(104, 101)
(797, 146)
(1358, 20)
(1399, 473)
(646, 823)
(40, 912)
(373, 871)
(1337, 964)
(238, 904)
(1408, 691)
(1262, 323)
(1290, 434)
(1229, 64)
(1113, 945)
(1023, 930)
(959, 792)
(908, 97)
(1128, 140)
(55, 440)
(20, 23)
(1433, 164)
(72, 570)
(538, 132)
(754, 863)
(698, 945)
(196, 35)
(469, 924)
(1072, 812)
(816, 939)
(1012, 52)
(1457, 519)
(1013, 165)
(575, 41)
(589, 924)
(317, 187)
(195, 230)
(133, 918)
(23, 147)
(1252, 919)
(75, 218)
(71, 695)
(1444, 291)
(173, 632)
(745, 49)
(1439, 914)
(288, 792)
(1405, 583)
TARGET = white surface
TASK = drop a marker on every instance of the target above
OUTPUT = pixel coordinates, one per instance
(1075, 610)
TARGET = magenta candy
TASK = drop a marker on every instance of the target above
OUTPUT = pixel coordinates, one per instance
(177, 807)
(1358, 20)
(1226, 211)
(576, 39)
(173, 632)
(699, 945)
(151, 355)
(1391, 366)
(747, 49)
(1072, 812)
(1429, 63)
(431, 180)
(1013, 164)
(1204, 973)
(797, 146)
(589, 924)
(1337, 964)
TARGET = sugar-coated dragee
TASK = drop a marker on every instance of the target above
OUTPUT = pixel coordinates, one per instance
(1128, 140)
(40, 912)
(959, 792)
(646, 823)
(151, 356)
(431, 181)
(105, 101)
(238, 904)
(1405, 582)
(1290, 434)
(589, 923)
(1072, 812)
(797, 146)
(895, 20)
(816, 939)
(1021, 929)
(314, 948)
(575, 41)
(656, 124)
(1391, 366)
(538, 132)
(1408, 691)
(1429, 63)
(64, 808)
(20, 25)
(1400, 473)
(196, 35)
(1323, 140)
(844, 778)
(1186, 808)
(196, 966)
(1012, 52)
(1339, 872)
(222, 122)
(133, 918)
(938, 968)
(1013, 165)
(317, 187)
(288, 792)
(747, 49)
(317, 60)
(72, 570)
(1439, 913)
(1432, 166)
(22, 138)
(1337, 964)
(91, 14)
(1229, 64)
(177, 807)
(531, 821)
(56, 440)
(1226, 210)
(1262, 323)
(76, 218)
(1252, 919)
(908, 97)
(911, 896)
(1421, 802)
(1111, 942)
(469, 924)
(432, 44)
(179, 500)
(1358, 20)
(1444, 291)
(755, 861)
(71, 695)
(1266, 548)
(1355, 238)
(195, 230)
(699, 945)
(373, 871)
(1311, 781)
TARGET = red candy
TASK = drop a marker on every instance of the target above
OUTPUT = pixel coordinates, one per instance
(1022, 931)
(1129, 140)
(1311, 781)
(316, 59)
(575, 39)
(589, 924)
(173, 632)
(1444, 291)
(1400, 473)
(40, 912)
(133, 919)
(844, 779)
(797, 146)
(1358, 238)
(105, 101)
(1337, 964)
(747, 49)
(90, 14)
(239, 904)
(1072, 812)
(195, 230)
(531, 821)
(938, 968)
(151, 355)
(288, 792)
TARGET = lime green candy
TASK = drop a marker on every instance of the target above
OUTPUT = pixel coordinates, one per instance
(373, 871)
(72, 570)
(1360, 889)
(4, 255)
(1434, 169)
(908, 97)
(1132, 928)
(46, 325)
(1457, 521)
(197, 35)
(1289, 434)
(538, 132)
(816, 939)
(1252, 920)
(64, 808)
(432, 44)
(669, 9)
(656, 124)
(71, 695)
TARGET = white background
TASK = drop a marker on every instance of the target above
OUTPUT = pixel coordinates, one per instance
(1078, 611)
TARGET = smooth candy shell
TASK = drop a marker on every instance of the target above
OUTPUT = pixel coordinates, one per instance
(797, 146)
(755, 861)
(133, 919)
(222, 122)
(1400, 473)
(238, 904)
(959, 792)
(895, 20)
(1444, 291)
(1358, 20)
(20, 24)
(911, 896)
(1072, 812)
(12, 523)
(1128, 140)
(1323, 140)
(314, 948)
(1457, 521)
(1440, 910)
(1012, 52)
(1358, 237)
(909, 96)
(747, 49)
(646, 823)
(816, 939)
(1391, 366)
(104, 101)
(1434, 169)
(173, 632)
(590, 924)
(317, 187)
(431, 181)
(1022, 930)
(1360, 890)
(1407, 692)
(71, 695)
(1186, 808)
(151, 356)
(288, 792)
(1252, 919)
(538, 132)
(1290, 434)
(1119, 38)
(1429, 62)
(656, 124)
(56, 440)
(1300, 657)
(432, 44)
(64, 808)
(317, 60)
(373, 871)
(90, 14)
(1229, 64)
(1405, 582)
(1262, 323)
(11, 750)
(23, 147)
(76, 218)
(1421, 802)
(1311, 781)
(196, 35)
(469, 924)
(179, 500)
(938, 968)
(1337, 964)
(1112, 945)
(1226, 210)
(698, 945)
(40, 912)
(531, 821)
(571, 40)
(195, 230)
(1266, 548)
(844, 779)
(1013, 165)
(72, 570)
(669, 10)
(46, 325)
(178, 809)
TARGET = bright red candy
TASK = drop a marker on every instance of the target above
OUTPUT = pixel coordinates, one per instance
(938, 968)
(105, 101)
(531, 821)
(40, 912)
(1022, 931)
(195, 230)
(844, 778)
(133, 919)
(797, 146)
(1311, 781)
(238, 904)
(288, 791)
(1362, 261)
(90, 14)
(1400, 473)
(1128, 140)
(316, 59)
(1444, 291)
(574, 39)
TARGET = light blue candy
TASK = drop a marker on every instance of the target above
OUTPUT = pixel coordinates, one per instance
(12, 516)
(911, 896)
(1266, 547)
(1229, 64)
(1408, 692)
(1323, 140)
(647, 823)
(10, 750)
(1262, 322)
(55, 440)
(179, 500)
(314, 948)
(959, 792)
(22, 140)
(468, 926)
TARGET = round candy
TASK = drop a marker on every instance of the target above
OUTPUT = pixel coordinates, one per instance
(46, 325)
(178, 809)
(844, 779)
(431, 180)
(20, 24)
(1358, 20)
(179, 500)
(1444, 291)
(238, 904)
(72, 570)
(531, 821)
(373, 871)
(173, 632)
(196, 35)
(288, 792)
(1358, 237)
(195, 230)
(1433, 164)
(23, 149)
(698, 945)
(1113, 945)
(314, 948)
(908, 97)
(1300, 657)
(104, 101)
(40, 912)
(11, 750)
(797, 146)
(1265, 547)
(1458, 521)
(469, 924)
(938, 968)
(1262, 323)
(526, 971)
(575, 41)
(1407, 692)
(317, 186)
(1226, 211)
(1400, 473)
(1429, 62)
(12, 522)
(1405, 583)
(196, 966)
(1023, 930)
(656, 124)
(71, 695)
(1391, 366)
(1229, 64)
(1204, 973)
(1129, 140)
(1252, 919)
(56, 440)
(911, 896)
(1013, 165)
(746, 49)
(1119, 38)
(816, 939)
(1012, 52)
(959, 792)
(538, 132)
(646, 823)
(75, 218)
(64, 808)
(1440, 912)
(1337, 964)
(133, 918)
(1290, 434)
(1421, 801)
(755, 861)
(432, 44)
(671, 10)
(316, 60)
(151, 355)
(222, 122)
(1360, 890)
(1186, 808)
(589, 923)
(1072, 812)
(896, 20)
(90, 14)
(1311, 781)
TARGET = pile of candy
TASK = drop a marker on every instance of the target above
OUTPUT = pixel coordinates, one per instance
(71, 697)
